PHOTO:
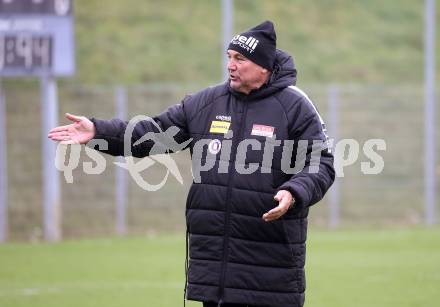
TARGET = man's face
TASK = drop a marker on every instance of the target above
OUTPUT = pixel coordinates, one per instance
(245, 75)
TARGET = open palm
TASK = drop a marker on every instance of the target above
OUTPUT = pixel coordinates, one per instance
(80, 132)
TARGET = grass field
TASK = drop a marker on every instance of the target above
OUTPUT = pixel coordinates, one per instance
(136, 41)
(345, 268)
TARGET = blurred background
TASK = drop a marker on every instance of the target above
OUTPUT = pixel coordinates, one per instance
(361, 62)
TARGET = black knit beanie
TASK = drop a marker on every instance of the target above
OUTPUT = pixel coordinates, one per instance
(257, 44)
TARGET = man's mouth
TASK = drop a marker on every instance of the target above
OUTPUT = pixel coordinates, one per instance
(233, 78)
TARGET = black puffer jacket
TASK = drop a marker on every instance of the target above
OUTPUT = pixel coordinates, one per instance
(234, 256)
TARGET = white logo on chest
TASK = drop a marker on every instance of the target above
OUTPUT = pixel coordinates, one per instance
(214, 146)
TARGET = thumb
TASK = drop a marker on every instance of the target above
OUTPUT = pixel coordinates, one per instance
(278, 196)
(73, 118)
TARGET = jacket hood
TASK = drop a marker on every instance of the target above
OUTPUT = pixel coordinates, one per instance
(283, 75)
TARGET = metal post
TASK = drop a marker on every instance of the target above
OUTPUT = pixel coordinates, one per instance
(333, 123)
(51, 182)
(3, 170)
(430, 115)
(121, 174)
(227, 25)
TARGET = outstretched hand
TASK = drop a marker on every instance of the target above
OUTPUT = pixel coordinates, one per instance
(285, 201)
(80, 132)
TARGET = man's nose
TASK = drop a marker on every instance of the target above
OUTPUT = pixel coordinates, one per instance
(231, 65)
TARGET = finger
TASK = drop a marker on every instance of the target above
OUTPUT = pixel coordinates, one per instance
(284, 202)
(278, 196)
(73, 118)
(274, 211)
(63, 132)
(283, 198)
(53, 137)
(278, 211)
(268, 218)
(58, 134)
(60, 138)
(272, 214)
(60, 128)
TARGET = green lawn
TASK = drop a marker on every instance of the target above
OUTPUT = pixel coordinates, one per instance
(139, 41)
(345, 268)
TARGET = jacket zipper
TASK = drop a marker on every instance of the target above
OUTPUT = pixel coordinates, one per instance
(240, 129)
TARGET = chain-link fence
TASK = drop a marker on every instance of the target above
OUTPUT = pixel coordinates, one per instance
(394, 196)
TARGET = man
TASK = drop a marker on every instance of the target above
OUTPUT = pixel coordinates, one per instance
(246, 216)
